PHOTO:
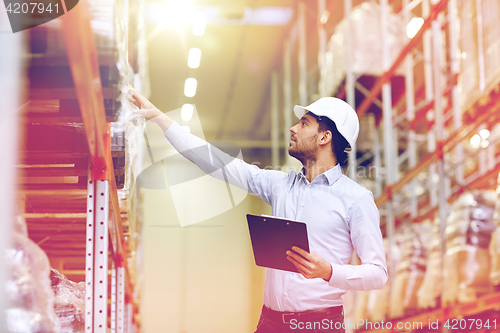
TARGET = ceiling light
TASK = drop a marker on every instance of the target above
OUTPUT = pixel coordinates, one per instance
(324, 17)
(199, 22)
(190, 87)
(475, 141)
(186, 128)
(484, 134)
(187, 112)
(194, 57)
(414, 26)
(485, 143)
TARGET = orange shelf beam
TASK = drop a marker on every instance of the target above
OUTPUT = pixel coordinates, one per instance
(487, 114)
(83, 61)
(386, 77)
(482, 304)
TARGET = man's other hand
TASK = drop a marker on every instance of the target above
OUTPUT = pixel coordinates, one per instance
(310, 265)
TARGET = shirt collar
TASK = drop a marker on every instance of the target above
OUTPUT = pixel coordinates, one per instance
(331, 174)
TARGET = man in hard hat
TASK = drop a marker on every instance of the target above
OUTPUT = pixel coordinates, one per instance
(341, 216)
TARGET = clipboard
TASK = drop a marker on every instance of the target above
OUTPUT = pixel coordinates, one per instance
(271, 237)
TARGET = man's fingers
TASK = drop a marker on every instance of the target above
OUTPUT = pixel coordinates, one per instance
(297, 263)
(303, 253)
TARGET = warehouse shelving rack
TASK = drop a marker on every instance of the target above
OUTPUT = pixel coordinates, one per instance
(442, 98)
(438, 110)
(78, 221)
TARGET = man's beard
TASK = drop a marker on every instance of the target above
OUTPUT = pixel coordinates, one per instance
(305, 152)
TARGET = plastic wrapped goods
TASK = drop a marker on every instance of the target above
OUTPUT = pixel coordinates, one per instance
(467, 259)
(495, 242)
(379, 300)
(28, 291)
(495, 257)
(410, 270)
(365, 39)
(475, 79)
(69, 302)
(431, 288)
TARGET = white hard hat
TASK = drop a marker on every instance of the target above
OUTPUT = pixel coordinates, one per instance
(338, 111)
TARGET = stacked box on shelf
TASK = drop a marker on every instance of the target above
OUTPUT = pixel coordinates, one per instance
(138, 56)
(429, 294)
(50, 78)
(365, 39)
(378, 302)
(410, 270)
(495, 244)
(479, 64)
(128, 194)
(49, 73)
(467, 258)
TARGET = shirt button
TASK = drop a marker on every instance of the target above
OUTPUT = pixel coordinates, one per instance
(286, 294)
(303, 205)
(309, 185)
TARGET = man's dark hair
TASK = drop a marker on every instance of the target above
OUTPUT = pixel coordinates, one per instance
(339, 143)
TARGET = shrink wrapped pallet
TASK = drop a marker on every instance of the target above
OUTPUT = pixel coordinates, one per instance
(365, 39)
(379, 300)
(467, 259)
(495, 257)
(410, 270)
(49, 73)
(69, 302)
(480, 66)
(430, 291)
(28, 291)
(360, 306)
(378, 304)
(495, 242)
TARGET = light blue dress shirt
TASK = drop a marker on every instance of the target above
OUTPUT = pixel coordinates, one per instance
(341, 216)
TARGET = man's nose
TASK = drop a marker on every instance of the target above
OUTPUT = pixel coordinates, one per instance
(292, 129)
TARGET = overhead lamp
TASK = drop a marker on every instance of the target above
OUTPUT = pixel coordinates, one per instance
(414, 26)
(190, 87)
(484, 134)
(199, 22)
(194, 57)
(324, 17)
(187, 112)
(475, 141)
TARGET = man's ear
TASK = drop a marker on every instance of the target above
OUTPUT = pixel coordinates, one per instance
(325, 137)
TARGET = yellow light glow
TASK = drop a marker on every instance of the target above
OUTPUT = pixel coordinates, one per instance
(187, 112)
(475, 141)
(176, 13)
(324, 17)
(414, 26)
(190, 87)
(194, 57)
(199, 22)
(484, 134)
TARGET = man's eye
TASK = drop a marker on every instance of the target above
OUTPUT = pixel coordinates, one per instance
(303, 123)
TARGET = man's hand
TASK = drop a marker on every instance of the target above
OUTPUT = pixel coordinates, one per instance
(146, 108)
(310, 265)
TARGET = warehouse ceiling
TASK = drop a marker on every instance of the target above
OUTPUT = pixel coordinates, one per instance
(241, 46)
(238, 53)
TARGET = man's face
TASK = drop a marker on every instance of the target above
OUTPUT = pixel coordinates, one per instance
(303, 144)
